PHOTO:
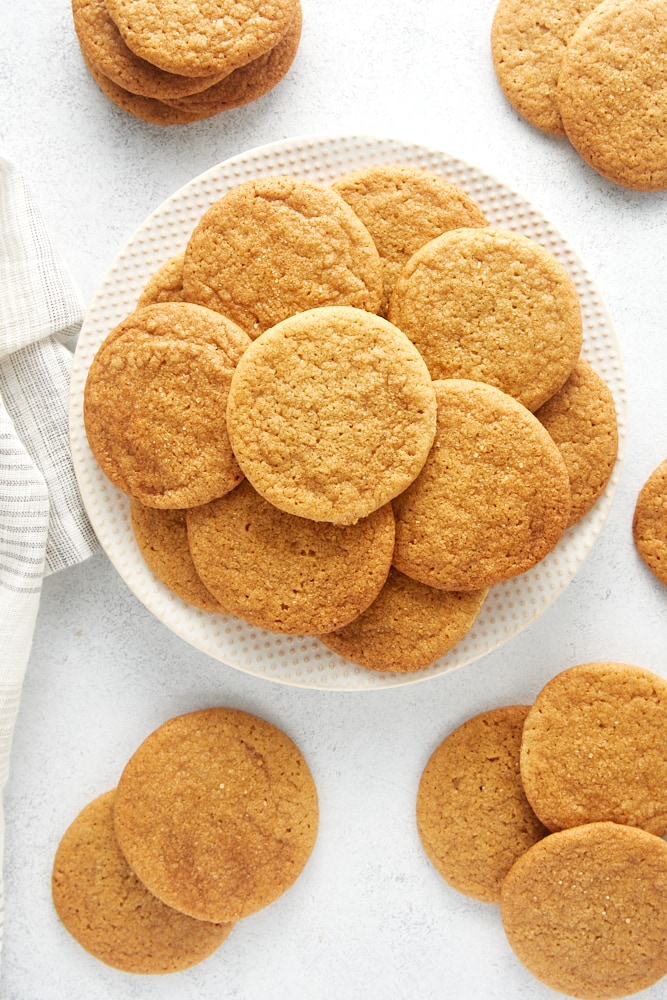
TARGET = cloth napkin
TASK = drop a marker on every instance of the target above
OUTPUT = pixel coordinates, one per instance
(43, 525)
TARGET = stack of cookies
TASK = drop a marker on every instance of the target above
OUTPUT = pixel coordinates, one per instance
(349, 411)
(594, 72)
(173, 63)
(558, 812)
(152, 876)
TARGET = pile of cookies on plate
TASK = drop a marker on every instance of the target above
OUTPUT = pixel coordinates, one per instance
(348, 411)
(557, 811)
(595, 72)
(214, 817)
(174, 63)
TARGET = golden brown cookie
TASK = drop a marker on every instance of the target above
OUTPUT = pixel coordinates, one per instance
(528, 39)
(162, 538)
(286, 573)
(154, 405)
(593, 748)
(649, 522)
(217, 813)
(165, 284)
(612, 92)
(494, 306)
(585, 910)
(110, 912)
(473, 818)
(275, 246)
(103, 46)
(331, 414)
(492, 499)
(202, 37)
(407, 627)
(247, 83)
(403, 208)
(581, 418)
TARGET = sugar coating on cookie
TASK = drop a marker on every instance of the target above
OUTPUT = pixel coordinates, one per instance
(275, 246)
(585, 910)
(155, 400)
(331, 414)
(492, 499)
(649, 522)
(403, 208)
(285, 573)
(111, 914)
(612, 92)
(162, 538)
(581, 418)
(491, 305)
(407, 627)
(593, 748)
(203, 36)
(528, 39)
(473, 817)
(216, 812)
(164, 285)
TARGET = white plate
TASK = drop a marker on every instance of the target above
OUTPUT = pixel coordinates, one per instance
(305, 662)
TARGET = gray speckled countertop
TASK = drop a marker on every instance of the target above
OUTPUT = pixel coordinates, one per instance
(369, 918)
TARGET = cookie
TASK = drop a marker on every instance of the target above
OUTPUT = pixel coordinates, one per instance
(286, 573)
(154, 405)
(493, 306)
(247, 83)
(528, 39)
(204, 37)
(403, 208)
(164, 285)
(585, 910)
(612, 92)
(110, 912)
(103, 46)
(473, 817)
(593, 748)
(275, 246)
(217, 813)
(162, 538)
(649, 522)
(331, 414)
(581, 418)
(492, 499)
(407, 627)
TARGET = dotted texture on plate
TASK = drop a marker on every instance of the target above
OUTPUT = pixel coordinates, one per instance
(306, 662)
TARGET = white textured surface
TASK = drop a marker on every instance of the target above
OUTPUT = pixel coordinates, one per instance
(369, 918)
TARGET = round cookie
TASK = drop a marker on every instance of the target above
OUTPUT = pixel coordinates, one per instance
(286, 573)
(403, 208)
(473, 818)
(528, 39)
(649, 522)
(110, 912)
(165, 285)
(494, 306)
(581, 418)
(593, 748)
(103, 46)
(331, 414)
(248, 83)
(162, 538)
(202, 37)
(217, 813)
(154, 405)
(612, 92)
(492, 499)
(585, 910)
(275, 246)
(408, 626)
